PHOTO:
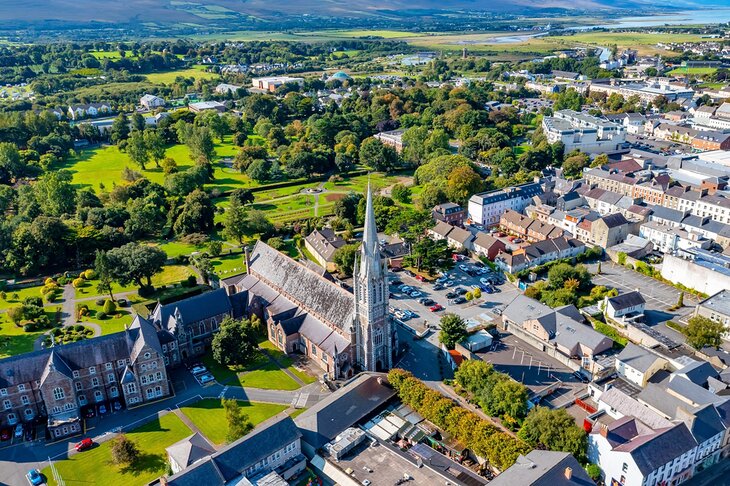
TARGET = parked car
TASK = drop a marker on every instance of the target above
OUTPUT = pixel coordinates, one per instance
(84, 444)
(420, 278)
(484, 281)
(438, 286)
(415, 294)
(427, 302)
(463, 268)
(452, 295)
(206, 378)
(410, 274)
(449, 283)
(198, 370)
(396, 283)
(34, 477)
(436, 308)
(442, 279)
(18, 431)
(488, 289)
(409, 314)
(102, 409)
(5, 434)
(460, 290)
(459, 300)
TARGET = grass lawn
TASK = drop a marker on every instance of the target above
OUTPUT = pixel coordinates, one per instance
(680, 71)
(228, 265)
(89, 289)
(115, 322)
(93, 466)
(262, 373)
(168, 77)
(210, 417)
(175, 249)
(22, 294)
(14, 340)
(286, 361)
(171, 274)
(296, 413)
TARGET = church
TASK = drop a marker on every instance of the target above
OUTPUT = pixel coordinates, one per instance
(342, 332)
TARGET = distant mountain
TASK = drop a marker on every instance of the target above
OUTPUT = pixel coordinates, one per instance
(200, 12)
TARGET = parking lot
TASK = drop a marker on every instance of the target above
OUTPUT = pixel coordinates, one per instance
(478, 310)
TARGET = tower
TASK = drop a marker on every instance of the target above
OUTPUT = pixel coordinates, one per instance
(374, 336)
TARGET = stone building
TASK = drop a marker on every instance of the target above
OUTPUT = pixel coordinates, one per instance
(58, 382)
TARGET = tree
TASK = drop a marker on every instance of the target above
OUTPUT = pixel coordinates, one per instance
(169, 166)
(124, 451)
(11, 165)
(133, 263)
(554, 430)
(244, 196)
(238, 422)
(593, 471)
(680, 300)
(344, 258)
(375, 154)
(462, 183)
(259, 170)
(430, 255)
(155, 145)
(559, 274)
(55, 194)
(196, 215)
(506, 398)
(201, 144)
(120, 128)
(346, 208)
(453, 330)
(203, 264)
(401, 193)
(15, 314)
(573, 166)
(109, 307)
(472, 375)
(234, 343)
(215, 247)
(702, 331)
(137, 149)
(234, 221)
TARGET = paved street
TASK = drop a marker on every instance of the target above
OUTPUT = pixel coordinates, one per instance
(16, 460)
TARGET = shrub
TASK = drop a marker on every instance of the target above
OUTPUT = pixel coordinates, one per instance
(49, 281)
(78, 327)
(101, 315)
(110, 307)
(3, 295)
(122, 302)
(51, 297)
(89, 274)
(78, 283)
(62, 281)
(146, 290)
(30, 327)
(35, 301)
(123, 450)
(100, 302)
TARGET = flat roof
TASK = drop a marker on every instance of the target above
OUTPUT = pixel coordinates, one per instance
(720, 302)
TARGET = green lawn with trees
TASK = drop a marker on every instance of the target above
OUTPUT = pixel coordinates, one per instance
(94, 466)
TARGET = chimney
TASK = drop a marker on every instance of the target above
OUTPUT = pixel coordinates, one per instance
(604, 430)
(247, 259)
(568, 473)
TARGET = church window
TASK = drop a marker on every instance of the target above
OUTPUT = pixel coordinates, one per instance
(314, 350)
(58, 394)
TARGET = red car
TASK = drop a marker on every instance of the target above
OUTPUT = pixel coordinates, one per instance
(5, 434)
(420, 277)
(436, 308)
(84, 444)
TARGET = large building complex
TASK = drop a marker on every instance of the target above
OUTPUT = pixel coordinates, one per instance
(583, 132)
(487, 207)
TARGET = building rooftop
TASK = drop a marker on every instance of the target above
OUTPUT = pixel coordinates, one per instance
(637, 357)
(544, 468)
(720, 302)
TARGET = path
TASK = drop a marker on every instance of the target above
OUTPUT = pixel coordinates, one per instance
(321, 190)
(68, 309)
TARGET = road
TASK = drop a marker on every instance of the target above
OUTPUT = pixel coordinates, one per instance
(16, 460)
(717, 475)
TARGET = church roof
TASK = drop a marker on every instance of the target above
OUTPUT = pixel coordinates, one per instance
(305, 288)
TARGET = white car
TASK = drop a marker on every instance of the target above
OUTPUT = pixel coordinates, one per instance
(484, 281)
(206, 378)
(198, 370)
(416, 293)
(463, 267)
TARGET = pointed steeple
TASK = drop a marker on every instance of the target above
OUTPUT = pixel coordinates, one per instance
(370, 253)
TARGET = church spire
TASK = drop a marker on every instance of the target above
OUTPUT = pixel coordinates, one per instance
(370, 253)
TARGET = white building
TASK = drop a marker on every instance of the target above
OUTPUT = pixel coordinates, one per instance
(224, 89)
(151, 101)
(669, 239)
(583, 132)
(272, 83)
(637, 364)
(487, 207)
(630, 303)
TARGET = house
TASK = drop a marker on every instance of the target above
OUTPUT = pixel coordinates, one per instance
(716, 307)
(226, 89)
(634, 247)
(322, 245)
(188, 451)
(670, 239)
(151, 101)
(583, 132)
(273, 83)
(561, 328)
(624, 305)
(450, 213)
(609, 230)
(457, 238)
(637, 364)
(711, 141)
(201, 106)
(57, 383)
(91, 109)
(568, 201)
(539, 253)
(486, 208)
(395, 252)
(487, 245)
(273, 446)
(544, 468)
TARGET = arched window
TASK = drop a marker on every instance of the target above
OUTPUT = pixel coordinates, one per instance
(58, 394)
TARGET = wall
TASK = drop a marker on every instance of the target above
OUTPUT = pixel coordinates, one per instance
(686, 272)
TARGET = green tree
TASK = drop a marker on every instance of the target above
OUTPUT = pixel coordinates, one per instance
(55, 193)
(259, 170)
(593, 471)
(554, 430)
(401, 193)
(702, 331)
(203, 264)
(375, 154)
(344, 258)
(573, 165)
(109, 307)
(104, 274)
(11, 164)
(134, 262)
(430, 255)
(453, 330)
(215, 247)
(238, 422)
(155, 145)
(559, 274)
(124, 451)
(235, 220)
(137, 149)
(506, 398)
(16, 314)
(196, 215)
(120, 129)
(462, 183)
(234, 343)
(680, 300)
(201, 144)
(472, 375)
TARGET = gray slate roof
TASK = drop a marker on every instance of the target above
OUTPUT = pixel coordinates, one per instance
(319, 296)
(637, 357)
(652, 451)
(624, 301)
(543, 468)
(190, 450)
(191, 310)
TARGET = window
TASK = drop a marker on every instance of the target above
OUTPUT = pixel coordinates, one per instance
(3, 391)
(11, 418)
(98, 396)
(143, 379)
(108, 366)
(131, 388)
(28, 413)
(150, 393)
(120, 363)
(624, 468)
(25, 400)
(147, 356)
(158, 391)
(143, 367)
(95, 382)
(56, 409)
(78, 386)
(158, 376)
(82, 399)
(75, 373)
(58, 394)
(153, 365)
(164, 348)
(21, 387)
(92, 370)
(314, 350)
(110, 378)
(7, 404)
(68, 406)
(113, 391)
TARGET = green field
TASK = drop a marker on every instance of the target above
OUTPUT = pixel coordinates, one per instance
(682, 71)
(197, 72)
(11, 301)
(114, 323)
(228, 265)
(210, 417)
(94, 467)
(14, 340)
